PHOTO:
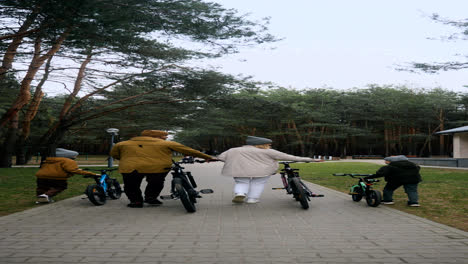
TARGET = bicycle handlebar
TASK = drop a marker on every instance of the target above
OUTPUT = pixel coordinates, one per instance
(287, 162)
(353, 175)
(101, 170)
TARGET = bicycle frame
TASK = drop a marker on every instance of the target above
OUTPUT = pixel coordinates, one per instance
(364, 184)
(103, 179)
(183, 187)
(187, 179)
(292, 173)
(105, 187)
(363, 189)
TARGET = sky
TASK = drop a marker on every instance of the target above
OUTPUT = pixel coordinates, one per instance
(343, 44)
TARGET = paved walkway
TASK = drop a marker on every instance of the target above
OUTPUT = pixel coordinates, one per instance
(333, 230)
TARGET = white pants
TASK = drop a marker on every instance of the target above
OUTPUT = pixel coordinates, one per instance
(251, 186)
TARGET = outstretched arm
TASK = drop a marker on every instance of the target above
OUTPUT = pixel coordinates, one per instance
(190, 151)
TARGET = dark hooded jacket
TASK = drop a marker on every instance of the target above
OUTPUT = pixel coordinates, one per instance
(400, 172)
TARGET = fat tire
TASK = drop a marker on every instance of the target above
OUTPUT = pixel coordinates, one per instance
(358, 196)
(115, 191)
(374, 198)
(299, 193)
(96, 194)
(184, 196)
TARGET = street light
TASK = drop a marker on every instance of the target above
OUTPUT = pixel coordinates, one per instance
(113, 132)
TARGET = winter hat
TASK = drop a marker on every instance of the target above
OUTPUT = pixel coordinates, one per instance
(396, 158)
(65, 153)
(154, 133)
(257, 140)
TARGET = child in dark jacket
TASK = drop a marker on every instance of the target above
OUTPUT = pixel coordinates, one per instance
(399, 171)
(54, 172)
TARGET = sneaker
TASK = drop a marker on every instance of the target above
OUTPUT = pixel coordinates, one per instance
(239, 198)
(135, 205)
(43, 198)
(252, 201)
(388, 203)
(153, 201)
(414, 205)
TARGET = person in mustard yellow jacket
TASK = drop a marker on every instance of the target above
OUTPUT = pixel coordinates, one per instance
(150, 156)
(54, 172)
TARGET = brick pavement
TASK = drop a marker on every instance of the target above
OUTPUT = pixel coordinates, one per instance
(333, 230)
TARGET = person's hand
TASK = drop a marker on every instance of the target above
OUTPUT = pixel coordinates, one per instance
(211, 160)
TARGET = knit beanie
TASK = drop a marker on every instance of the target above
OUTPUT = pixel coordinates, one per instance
(257, 141)
(396, 158)
(65, 153)
(154, 133)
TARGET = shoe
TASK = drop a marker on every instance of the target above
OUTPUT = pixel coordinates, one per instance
(153, 201)
(414, 205)
(239, 198)
(252, 201)
(388, 203)
(135, 205)
(43, 198)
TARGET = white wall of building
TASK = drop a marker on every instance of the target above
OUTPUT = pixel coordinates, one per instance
(460, 145)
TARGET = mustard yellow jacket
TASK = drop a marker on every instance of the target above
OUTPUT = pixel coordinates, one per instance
(55, 168)
(149, 155)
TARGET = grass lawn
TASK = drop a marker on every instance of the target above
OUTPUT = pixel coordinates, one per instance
(442, 194)
(18, 188)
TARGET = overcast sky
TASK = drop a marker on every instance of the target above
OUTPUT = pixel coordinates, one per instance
(344, 44)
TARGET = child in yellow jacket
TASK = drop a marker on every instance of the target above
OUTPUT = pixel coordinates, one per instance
(54, 172)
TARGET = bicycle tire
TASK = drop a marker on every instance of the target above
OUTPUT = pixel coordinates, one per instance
(374, 198)
(96, 194)
(184, 196)
(357, 194)
(115, 191)
(299, 193)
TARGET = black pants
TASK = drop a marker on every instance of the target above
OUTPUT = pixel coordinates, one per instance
(50, 187)
(132, 183)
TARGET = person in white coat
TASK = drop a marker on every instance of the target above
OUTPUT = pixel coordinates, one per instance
(252, 165)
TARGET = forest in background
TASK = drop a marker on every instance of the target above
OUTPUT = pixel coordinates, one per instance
(129, 65)
(369, 121)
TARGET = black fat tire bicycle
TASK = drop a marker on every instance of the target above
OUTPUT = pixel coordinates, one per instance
(293, 184)
(105, 187)
(363, 189)
(183, 188)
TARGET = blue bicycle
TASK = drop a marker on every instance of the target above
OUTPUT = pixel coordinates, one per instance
(105, 187)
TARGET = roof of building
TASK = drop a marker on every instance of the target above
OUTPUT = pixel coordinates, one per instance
(453, 130)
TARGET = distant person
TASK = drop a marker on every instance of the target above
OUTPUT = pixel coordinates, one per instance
(150, 156)
(54, 172)
(252, 165)
(399, 171)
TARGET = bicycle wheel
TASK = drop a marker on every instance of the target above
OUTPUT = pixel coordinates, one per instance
(184, 196)
(298, 192)
(115, 191)
(357, 194)
(96, 194)
(374, 198)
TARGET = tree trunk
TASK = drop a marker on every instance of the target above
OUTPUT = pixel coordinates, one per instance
(77, 87)
(25, 95)
(441, 137)
(8, 148)
(386, 139)
(10, 53)
(298, 136)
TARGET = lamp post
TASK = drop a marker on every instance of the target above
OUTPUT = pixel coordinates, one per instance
(112, 132)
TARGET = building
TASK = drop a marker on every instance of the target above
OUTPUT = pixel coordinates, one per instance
(460, 150)
(460, 141)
